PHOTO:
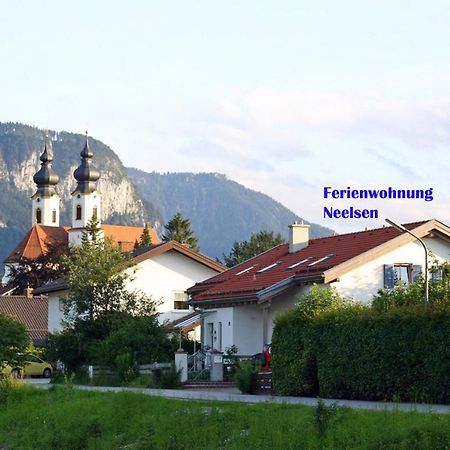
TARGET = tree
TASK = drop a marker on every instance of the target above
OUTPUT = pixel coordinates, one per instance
(13, 341)
(259, 242)
(106, 322)
(97, 275)
(145, 240)
(36, 272)
(179, 229)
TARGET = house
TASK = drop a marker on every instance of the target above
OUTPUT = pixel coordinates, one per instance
(29, 310)
(163, 271)
(239, 305)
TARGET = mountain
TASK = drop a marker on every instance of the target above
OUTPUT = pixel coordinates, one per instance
(221, 211)
(20, 149)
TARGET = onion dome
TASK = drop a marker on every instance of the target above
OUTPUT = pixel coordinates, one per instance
(86, 173)
(45, 178)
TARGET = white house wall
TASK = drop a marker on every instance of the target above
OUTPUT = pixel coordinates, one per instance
(163, 275)
(55, 311)
(248, 329)
(363, 282)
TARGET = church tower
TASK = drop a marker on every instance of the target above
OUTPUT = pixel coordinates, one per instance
(85, 198)
(45, 206)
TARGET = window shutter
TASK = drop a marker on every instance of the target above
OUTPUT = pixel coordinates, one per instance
(416, 271)
(389, 279)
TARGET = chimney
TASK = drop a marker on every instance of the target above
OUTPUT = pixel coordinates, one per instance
(29, 292)
(298, 236)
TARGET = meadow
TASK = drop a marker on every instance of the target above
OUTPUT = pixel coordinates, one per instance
(66, 418)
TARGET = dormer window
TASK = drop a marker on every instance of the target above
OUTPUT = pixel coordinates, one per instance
(78, 213)
(38, 215)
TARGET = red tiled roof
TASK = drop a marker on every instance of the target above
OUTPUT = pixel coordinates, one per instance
(245, 282)
(36, 241)
(126, 236)
(32, 312)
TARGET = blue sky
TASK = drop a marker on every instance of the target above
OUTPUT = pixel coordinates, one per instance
(285, 97)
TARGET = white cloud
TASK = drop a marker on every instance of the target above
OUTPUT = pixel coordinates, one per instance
(290, 143)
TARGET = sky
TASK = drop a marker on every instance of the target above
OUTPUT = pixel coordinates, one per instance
(285, 97)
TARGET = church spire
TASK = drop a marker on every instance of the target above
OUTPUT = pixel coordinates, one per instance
(45, 178)
(86, 200)
(45, 206)
(86, 173)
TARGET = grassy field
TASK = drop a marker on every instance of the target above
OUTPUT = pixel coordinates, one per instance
(64, 418)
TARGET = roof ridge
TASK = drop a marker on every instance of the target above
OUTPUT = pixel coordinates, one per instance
(420, 222)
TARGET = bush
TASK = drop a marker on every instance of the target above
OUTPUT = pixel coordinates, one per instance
(293, 360)
(244, 377)
(400, 354)
(169, 378)
(13, 341)
(125, 366)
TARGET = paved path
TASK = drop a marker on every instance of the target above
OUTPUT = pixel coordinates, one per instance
(233, 395)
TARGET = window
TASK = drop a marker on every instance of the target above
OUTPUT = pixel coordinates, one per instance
(246, 270)
(38, 215)
(293, 266)
(268, 267)
(210, 334)
(78, 213)
(53, 215)
(400, 273)
(219, 343)
(94, 213)
(320, 260)
(180, 300)
(436, 275)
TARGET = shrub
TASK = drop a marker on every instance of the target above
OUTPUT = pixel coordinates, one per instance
(293, 359)
(169, 378)
(13, 341)
(244, 377)
(126, 366)
(400, 354)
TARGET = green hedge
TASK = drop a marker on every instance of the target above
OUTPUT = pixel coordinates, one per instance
(294, 370)
(401, 354)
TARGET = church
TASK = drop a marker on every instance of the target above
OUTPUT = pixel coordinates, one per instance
(163, 270)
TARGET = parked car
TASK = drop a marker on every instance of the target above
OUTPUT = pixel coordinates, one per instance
(33, 367)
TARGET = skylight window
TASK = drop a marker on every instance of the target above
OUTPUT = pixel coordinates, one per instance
(320, 260)
(246, 270)
(293, 266)
(268, 267)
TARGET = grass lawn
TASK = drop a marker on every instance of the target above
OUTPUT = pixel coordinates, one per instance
(65, 418)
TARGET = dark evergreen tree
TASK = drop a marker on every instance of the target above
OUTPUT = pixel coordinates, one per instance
(145, 240)
(179, 229)
(259, 242)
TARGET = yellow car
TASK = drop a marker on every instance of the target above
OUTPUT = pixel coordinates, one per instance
(33, 367)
